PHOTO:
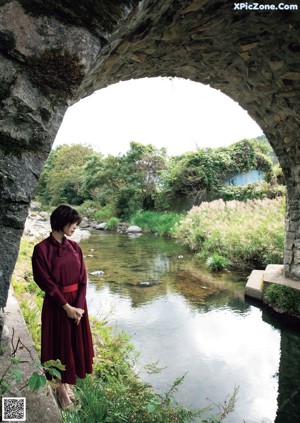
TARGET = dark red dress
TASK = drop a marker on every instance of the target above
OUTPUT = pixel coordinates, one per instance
(56, 265)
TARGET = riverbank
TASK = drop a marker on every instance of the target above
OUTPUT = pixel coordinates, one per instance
(114, 378)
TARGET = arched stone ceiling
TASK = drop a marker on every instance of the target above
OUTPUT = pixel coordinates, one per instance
(54, 53)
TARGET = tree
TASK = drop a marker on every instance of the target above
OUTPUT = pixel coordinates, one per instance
(62, 176)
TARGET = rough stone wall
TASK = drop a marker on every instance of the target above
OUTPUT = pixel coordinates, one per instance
(54, 53)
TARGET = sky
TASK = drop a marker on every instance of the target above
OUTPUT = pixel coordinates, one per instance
(178, 114)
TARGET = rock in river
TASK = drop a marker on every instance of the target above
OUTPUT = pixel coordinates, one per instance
(97, 273)
(134, 229)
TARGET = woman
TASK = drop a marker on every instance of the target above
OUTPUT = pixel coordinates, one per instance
(59, 270)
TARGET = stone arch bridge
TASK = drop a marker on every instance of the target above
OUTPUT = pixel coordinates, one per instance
(54, 53)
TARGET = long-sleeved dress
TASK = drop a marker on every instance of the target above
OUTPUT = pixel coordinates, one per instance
(56, 265)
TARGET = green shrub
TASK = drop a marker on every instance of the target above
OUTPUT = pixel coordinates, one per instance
(283, 297)
(112, 223)
(87, 209)
(216, 262)
(105, 213)
(257, 190)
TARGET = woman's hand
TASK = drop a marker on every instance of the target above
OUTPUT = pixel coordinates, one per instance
(74, 313)
(79, 314)
(71, 311)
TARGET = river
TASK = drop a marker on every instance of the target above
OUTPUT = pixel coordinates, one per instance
(193, 322)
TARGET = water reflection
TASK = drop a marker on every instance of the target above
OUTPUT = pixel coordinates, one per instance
(191, 321)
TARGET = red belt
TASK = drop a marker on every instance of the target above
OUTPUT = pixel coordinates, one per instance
(69, 288)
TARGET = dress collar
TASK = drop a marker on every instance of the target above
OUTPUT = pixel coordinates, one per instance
(63, 246)
(55, 242)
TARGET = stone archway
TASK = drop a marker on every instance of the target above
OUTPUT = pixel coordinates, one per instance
(54, 54)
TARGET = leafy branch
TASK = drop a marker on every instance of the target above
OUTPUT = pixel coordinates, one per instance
(13, 374)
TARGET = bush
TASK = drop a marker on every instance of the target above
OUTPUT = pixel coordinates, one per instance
(283, 298)
(105, 213)
(216, 262)
(87, 209)
(112, 224)
(257, 190)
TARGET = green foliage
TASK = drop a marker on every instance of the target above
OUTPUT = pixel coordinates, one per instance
(257, 190)
(61, 178)
(130, 400)
(216, 262)
(156, 222)
(261, 144)
(201, 175)
(124, 401)
(88, 209)
(224, 409)
(31, 315)
(13, 374)
(144, 179)
(247, 233)
(112, 223)
(36, 381)
(283, 297)
(105, 213)
(278, 174)
(122, 184)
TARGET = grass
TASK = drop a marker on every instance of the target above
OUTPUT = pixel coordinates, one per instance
(283, 298)
(247, 234)
(156, 222)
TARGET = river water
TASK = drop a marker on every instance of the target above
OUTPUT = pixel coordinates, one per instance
(189, 321)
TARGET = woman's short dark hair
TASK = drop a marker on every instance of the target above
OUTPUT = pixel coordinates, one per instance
(62, 216)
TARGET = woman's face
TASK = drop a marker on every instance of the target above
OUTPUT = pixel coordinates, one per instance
(70, 229)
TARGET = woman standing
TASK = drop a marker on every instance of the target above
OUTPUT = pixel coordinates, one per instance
(59, 270)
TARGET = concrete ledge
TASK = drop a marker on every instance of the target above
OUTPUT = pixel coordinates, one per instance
(274, 275)
(255, 284)
(40, 405)
(260, 279)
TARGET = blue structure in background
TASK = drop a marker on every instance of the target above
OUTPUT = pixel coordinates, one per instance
(245, 178)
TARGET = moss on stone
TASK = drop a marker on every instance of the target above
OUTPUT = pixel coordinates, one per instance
(55, 72)
(97, 16)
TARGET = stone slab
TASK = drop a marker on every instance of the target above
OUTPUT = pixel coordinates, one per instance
(274, 274)
(255, 283)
